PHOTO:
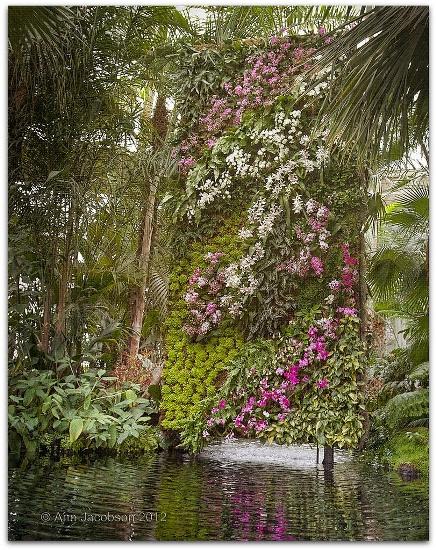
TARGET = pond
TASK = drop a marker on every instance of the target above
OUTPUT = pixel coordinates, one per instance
(238, 491)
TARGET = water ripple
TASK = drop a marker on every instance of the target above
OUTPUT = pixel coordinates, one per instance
(228, 493)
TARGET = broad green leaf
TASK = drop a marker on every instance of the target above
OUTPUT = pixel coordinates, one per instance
(131, 395)
(76, 427)
(112, 435)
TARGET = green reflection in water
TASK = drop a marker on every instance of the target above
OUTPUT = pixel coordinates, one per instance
(172, 498)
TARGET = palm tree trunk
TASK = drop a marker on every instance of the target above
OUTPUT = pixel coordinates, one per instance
(137, 296)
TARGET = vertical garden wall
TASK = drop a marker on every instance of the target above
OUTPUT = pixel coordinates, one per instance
(263, 335)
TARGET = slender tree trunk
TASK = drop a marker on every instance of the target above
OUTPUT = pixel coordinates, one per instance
(64, 279)
(45, 340)
(137, 295)
(46, 322)
(62, 301)
(61, 306)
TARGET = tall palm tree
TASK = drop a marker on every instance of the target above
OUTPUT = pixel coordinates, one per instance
(74, 75)
(159, 166)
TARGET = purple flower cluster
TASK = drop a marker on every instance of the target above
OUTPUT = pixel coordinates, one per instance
(348, 311)
(186, 163)
(322, 31)
(272, 400)
(317, 265)
(267, 76)
(316, 220)
(349, 274)
(315, 351)
(270, 403)
(203, 287)
(298, 366)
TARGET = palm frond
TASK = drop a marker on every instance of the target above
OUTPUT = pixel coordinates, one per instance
(30, 24)
(411, 210)
(398, 272)
(388, 270)
(376, 212)
(223, 23)
(380, 92)
(418, 329)
(157, 293)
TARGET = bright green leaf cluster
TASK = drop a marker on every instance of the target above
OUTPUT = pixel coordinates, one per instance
(86, 411)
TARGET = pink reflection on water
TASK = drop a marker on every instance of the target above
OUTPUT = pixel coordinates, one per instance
(249, 516)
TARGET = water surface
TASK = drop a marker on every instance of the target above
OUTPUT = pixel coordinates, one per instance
(228, 493)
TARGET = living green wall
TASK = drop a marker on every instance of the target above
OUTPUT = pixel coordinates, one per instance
(251, 189)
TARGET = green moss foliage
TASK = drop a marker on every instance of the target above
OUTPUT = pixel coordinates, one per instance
(193, 370)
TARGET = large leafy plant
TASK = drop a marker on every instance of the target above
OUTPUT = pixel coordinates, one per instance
(397, 396)
(399, 268)
(87, 408)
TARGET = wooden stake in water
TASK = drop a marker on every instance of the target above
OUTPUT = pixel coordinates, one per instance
(328, 458)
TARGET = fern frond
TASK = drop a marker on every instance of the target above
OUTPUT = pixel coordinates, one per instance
(388, 270)
(407, 407)
(421, 372)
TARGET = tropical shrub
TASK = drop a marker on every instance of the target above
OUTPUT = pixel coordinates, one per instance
(397, 396)
(408, 408)
(86, 408)
(398, 273)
